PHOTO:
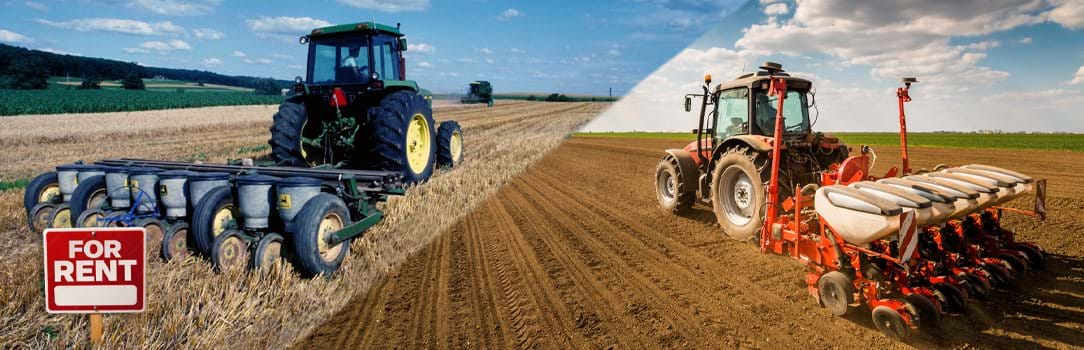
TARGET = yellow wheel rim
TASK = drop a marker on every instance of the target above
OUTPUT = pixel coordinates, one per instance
(91, 220)
(456, 146)
(301, 142)
(418, 142)
(222, 220)
(63, 218)
(329, 225)
(48, 193)
(272, 252)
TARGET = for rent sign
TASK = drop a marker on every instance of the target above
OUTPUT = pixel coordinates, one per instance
(95, 270)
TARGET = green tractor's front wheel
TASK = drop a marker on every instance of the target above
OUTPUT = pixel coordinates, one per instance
(449, 144)
(401, 137)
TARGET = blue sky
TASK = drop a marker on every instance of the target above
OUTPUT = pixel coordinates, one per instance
(538, 46)
(1014, 65)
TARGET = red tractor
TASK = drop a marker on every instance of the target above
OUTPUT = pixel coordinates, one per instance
(911, 249)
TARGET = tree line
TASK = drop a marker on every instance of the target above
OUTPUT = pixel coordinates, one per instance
(22, 68)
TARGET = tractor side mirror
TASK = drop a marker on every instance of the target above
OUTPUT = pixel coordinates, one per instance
(688, 104)
(402, 44)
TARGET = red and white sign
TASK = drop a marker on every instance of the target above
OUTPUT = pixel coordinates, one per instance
(908, 238)
(95, 270)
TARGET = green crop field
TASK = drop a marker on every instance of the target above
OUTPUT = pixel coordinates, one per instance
(61, 100)
(1061, 142)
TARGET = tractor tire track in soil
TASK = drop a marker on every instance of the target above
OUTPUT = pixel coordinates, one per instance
(575, 253)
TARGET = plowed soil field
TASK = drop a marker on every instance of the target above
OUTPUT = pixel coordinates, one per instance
(575, 253)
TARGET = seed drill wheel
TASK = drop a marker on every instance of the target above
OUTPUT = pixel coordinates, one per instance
(836, 292)
(90, 218)
(980, 288)
(673, 194)
(175, 243)
(61, 217)
(1000, 276)
(90, 194)
(925, 312)
(318, 220)
(215, 213)
(268, 251)
(737, 195)
(230, 251)
(39, 214)
(43, 188)
(155, 232)
(890, 323)
(449, 144)
(1019, 266)
(401, 137)
(1038, 261)
(950, 296)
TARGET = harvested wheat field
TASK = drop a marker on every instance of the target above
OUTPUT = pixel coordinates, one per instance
(190, 306)
(575, 253)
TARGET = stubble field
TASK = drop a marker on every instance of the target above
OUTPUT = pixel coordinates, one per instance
(575, 253)
(189, 305)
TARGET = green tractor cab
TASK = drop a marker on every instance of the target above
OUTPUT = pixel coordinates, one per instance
(479, 92)
(355, 108)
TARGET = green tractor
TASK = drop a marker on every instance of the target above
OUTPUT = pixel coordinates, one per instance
(479, 92)
(355, 108)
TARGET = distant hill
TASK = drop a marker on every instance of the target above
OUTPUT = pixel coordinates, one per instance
(106, 69)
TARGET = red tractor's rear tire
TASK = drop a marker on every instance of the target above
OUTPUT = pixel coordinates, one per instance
(738, 194)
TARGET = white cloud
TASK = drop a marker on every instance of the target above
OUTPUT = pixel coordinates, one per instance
(516, 51)
(424, 64)
(285, 29)
(484, 50)
(211, 62)
(421, 48)
(285, 25)
(161, 47)
(238, 54)
(208, 34)
(8, 36)
(613, 52)
(37, 6)
(1024, 41)
(1079, 77)
(177, 7)
(258, 61)
(59, 51)
(282, 56)
(490, 60)
(776, 9)
(509, 14)
(1068, 13)
(113, 25)
(388, 5)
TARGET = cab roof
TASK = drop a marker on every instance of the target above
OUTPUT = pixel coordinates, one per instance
(752, 80)
(360, 26)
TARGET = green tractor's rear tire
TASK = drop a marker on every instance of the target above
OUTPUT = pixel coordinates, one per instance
(449, 144)
(43, 188)
(401, 137)
(322, 216)
(286, 148)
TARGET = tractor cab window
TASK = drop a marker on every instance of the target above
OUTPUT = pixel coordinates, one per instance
(386, 57)
(344, 61)
(795, 113)
(732, 110)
